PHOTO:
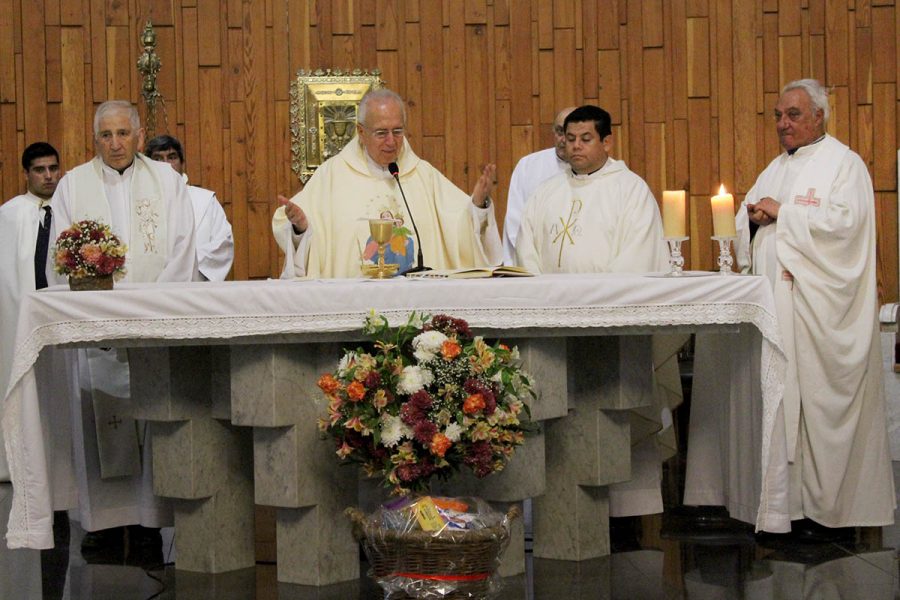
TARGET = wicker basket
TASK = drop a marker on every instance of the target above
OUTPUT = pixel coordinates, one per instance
(461, 559)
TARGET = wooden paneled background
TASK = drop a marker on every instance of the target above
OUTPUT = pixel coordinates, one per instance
(690, 84)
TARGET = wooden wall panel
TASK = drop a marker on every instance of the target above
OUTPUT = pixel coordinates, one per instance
(690, 84)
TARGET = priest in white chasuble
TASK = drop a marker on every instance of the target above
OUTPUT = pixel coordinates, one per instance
(599, 217)
(146, 204)
(808, 225)
(323, 230)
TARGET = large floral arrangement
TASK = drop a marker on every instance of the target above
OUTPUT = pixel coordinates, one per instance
(424, 399)
(89, 249)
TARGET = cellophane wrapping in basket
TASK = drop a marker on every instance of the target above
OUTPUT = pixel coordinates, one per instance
(433, 547)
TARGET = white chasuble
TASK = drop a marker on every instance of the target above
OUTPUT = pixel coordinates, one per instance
(349, 188)
(606, 222)
(820, 258)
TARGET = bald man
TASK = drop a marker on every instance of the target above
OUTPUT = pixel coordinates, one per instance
(531, 171)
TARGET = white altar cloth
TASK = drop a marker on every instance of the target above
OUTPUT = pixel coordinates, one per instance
(295, 311)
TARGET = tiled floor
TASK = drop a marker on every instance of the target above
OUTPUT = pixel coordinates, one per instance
(671, 560)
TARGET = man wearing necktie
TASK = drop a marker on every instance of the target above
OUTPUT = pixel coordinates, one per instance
(24, 238)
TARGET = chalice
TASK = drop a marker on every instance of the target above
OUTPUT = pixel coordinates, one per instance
(381, 231)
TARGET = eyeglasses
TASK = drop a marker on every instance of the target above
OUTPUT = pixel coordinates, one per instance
(381, 134)
(792, 114)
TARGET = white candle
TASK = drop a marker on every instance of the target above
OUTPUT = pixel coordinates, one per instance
(673, 211)
(723, 214)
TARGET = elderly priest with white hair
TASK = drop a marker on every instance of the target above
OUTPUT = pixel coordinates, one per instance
(323, 229)
(146, 204)
(808, 225)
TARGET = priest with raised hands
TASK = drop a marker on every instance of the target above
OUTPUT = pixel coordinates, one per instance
(323, 230)
(808, 225)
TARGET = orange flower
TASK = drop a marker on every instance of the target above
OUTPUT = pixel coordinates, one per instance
(473, 404)
(450, 349)
(328, 384)
(356, 391)
(504, 347)
(440, 443)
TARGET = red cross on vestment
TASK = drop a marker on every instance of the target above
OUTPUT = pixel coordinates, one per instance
(809, 199)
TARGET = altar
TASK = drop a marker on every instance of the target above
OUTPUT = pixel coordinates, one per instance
(225, 375)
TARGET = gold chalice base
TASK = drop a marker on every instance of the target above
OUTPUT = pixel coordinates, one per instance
(376, 272)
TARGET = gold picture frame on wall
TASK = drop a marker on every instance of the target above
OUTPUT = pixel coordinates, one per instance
(324, 103)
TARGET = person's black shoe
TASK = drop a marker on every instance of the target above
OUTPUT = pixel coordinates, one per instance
(808, 531)
(143, 547)
(104, 547)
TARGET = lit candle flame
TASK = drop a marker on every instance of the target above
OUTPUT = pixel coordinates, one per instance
(721, 189)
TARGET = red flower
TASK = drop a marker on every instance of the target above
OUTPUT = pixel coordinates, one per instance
(424, 432)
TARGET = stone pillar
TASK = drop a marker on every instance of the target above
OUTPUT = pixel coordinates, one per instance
(273, 389)
(591, 447)
(198, 459)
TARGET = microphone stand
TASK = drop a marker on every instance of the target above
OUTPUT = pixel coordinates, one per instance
(394, 170)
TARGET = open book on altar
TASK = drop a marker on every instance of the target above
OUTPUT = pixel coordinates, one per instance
(472, 273)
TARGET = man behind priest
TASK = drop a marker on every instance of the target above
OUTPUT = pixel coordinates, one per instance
(323, 229)
(531, 171)
(599, 217)
(147, 206)
(808, 225)
(215, 242)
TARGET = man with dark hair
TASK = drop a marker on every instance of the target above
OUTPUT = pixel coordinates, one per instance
(25, 236)
(596, 217)
(599, 217)
(215, 243)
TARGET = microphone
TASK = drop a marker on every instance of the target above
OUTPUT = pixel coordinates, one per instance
(394, 170)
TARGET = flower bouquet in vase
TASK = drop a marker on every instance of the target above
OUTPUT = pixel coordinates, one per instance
(91, 255)
(421, 401)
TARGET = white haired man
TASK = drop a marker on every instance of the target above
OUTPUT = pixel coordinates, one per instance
(808, 225)
(323, 229)
(146, 204)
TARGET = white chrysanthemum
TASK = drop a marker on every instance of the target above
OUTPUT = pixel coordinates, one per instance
(413, 379)
(427, 344)
(393, 430)
(453, 431)
(345, 362)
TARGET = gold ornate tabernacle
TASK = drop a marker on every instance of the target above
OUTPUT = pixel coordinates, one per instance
(323, 114)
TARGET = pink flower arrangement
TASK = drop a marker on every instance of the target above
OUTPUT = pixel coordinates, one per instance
(89, 249)
(425, 399)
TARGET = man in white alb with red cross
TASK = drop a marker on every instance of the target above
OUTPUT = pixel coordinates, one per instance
(808, 225)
